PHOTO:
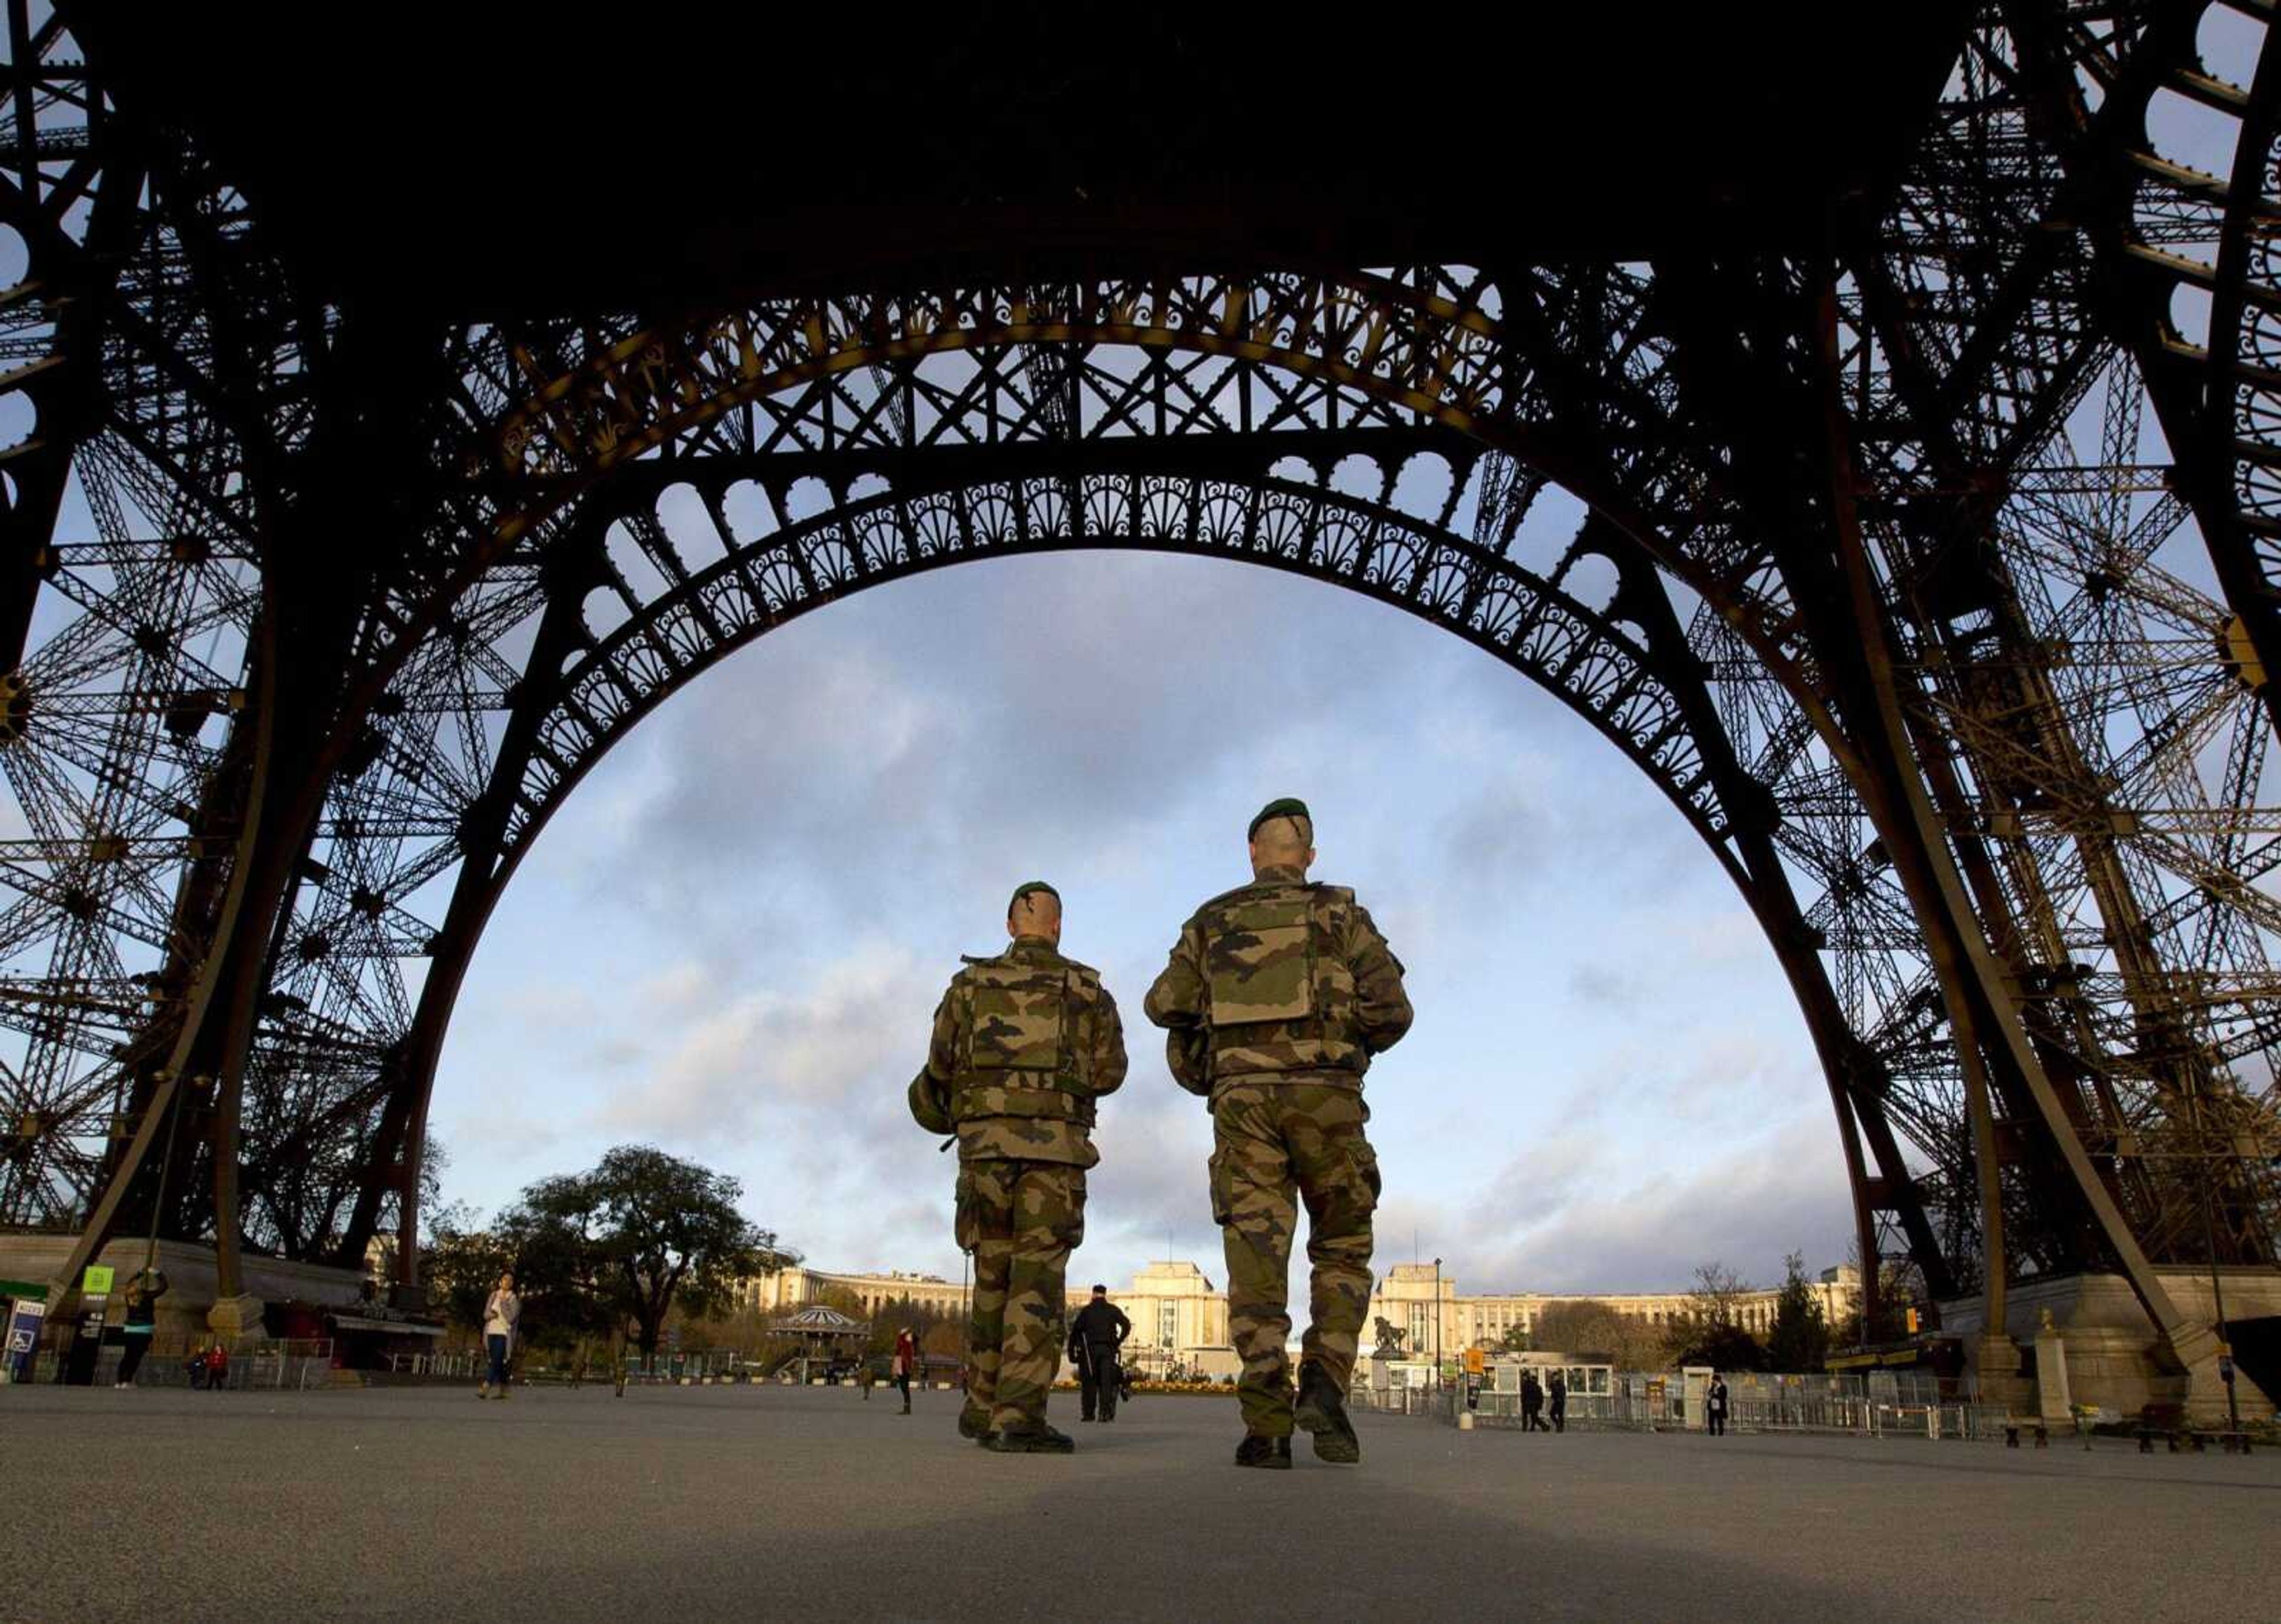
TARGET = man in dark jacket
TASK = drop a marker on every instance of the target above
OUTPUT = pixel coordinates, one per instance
(1095, 1335)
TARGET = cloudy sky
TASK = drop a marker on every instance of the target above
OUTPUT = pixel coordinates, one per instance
(730, 942)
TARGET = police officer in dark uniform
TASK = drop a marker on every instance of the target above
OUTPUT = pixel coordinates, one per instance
(1095, 1335)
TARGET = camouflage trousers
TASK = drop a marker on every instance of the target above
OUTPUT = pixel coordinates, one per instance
(1021, 1220)
(1273, 1142)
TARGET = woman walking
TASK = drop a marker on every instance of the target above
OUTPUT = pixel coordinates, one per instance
(501, 1310)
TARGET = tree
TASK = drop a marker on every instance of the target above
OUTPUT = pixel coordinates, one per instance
(461, 1263)
(1585, 1326)
(1900, 1286)
(1799, 1339)
(553, 1273)
(1710, 1330)
(645, 1232)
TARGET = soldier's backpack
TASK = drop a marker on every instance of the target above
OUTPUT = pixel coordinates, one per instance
(1280, 994)
(1275, 957)
(1021, 1057)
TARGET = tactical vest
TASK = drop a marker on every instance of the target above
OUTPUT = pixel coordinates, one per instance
(1021, 1055)
(1280, 994)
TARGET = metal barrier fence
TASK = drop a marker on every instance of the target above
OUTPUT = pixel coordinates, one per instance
(1881, 1405)
(474, 1365)
(460, 1366)
(296, 1364)
(1400, 1399)
(1902, 1403)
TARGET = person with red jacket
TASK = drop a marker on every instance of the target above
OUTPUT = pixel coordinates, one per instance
(906, 1364)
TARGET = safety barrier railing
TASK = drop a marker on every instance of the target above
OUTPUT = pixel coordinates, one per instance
(287, 1364)
(459, 1366)
(1883, 1405)
(1400, 1399)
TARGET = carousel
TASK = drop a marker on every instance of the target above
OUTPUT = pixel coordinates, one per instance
(826, 1336)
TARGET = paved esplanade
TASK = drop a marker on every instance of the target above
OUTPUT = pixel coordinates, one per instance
(713, 1502)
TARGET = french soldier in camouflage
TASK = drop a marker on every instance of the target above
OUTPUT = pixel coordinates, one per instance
(1276, 997)
(1024, 1044)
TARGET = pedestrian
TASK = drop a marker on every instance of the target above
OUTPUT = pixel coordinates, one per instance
(865, 1375)
(1095, 1336)
(501, 1311)
(904, 1363)
(1531, 1403)
(1714, 1405)
(1277, 996)
(142, 1293)
(217, 1364)
(1559, 1405)
(1024, 1044)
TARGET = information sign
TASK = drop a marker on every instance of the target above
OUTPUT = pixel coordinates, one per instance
(87, 1341)
(97, 1280)
(24, 1337)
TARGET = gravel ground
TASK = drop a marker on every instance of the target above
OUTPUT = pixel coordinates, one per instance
(704, 1503)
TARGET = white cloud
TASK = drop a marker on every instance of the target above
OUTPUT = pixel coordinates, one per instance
(1748, 1199)
(681, 985)
(857, 1020)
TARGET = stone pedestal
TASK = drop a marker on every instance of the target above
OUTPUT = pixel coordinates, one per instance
(2095, 1345)
(190, 1274)
(2055, 1392)
(2206, 1396)
(1995, 1361)
(236, 1319)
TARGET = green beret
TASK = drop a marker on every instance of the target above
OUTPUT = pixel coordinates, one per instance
(1027, 886)
(1290, 805)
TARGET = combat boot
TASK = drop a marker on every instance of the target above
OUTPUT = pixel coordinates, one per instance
(1030, 1438)
(1322, 1411)
(974, 1422)
(1259, 1450)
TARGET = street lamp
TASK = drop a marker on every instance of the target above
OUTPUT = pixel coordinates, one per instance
(1437, 1325)
(2217, 1287)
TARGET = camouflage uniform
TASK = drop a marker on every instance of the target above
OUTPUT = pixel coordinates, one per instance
(1024, 1044)
(1277, 996)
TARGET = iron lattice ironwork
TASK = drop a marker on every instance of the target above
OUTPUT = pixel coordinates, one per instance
(314, 612)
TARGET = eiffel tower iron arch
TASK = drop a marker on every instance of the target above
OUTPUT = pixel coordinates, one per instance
(615, 446)
(1639, 689)
(2046, 955)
